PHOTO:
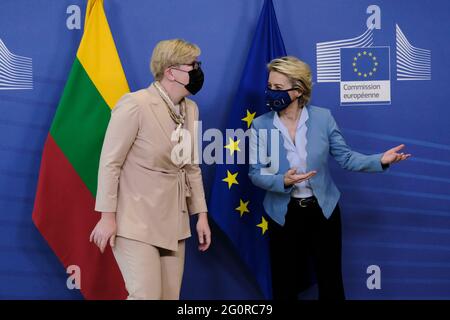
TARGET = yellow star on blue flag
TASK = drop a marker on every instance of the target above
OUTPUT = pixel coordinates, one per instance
(233, 146)
(249, 118)
(263, 225)
(231, 179)
(243, 207)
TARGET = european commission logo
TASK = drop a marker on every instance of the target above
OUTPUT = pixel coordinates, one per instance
(363, 70)
(16, 72)
(365, 75)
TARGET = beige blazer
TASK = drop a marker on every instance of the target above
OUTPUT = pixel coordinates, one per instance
(137, 179)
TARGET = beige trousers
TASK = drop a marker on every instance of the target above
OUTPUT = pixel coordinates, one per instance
(150, 273)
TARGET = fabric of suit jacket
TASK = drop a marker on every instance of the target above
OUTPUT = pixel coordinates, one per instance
(137, 178)
(323, 139)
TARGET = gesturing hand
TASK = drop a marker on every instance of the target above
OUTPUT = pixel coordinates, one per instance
(291, 177)
(392, 156)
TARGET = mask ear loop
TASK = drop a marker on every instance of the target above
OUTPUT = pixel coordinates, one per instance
(174, 79)
(299, 87)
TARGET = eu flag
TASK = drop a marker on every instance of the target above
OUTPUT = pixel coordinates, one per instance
(365, 64)
(235, 204)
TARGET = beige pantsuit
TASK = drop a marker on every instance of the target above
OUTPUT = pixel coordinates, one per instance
(150, 272)
(151, 195)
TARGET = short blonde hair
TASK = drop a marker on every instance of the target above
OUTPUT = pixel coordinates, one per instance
(170, 53)
(298, 73)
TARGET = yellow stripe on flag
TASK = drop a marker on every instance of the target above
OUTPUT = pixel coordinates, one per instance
(98, 55)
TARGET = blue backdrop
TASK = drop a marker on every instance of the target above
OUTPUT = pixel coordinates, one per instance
(398, 221)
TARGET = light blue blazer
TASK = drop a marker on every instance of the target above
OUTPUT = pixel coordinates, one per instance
(323, 138)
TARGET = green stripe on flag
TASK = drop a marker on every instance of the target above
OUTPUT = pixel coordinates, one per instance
(80, 124)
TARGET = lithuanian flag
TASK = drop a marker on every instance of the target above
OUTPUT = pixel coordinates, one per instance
(64, 205)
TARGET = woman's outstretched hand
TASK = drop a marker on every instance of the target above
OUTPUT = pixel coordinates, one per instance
(392, 155)
(291, 177)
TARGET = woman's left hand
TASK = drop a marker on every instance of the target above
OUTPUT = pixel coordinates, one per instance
(392, 156)
(203, 232)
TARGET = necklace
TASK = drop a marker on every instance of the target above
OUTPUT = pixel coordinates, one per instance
(177, 118)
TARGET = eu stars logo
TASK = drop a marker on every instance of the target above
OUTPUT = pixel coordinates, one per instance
(358, 66)
(365, 76)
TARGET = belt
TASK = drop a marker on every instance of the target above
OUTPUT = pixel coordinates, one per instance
(305, 202)
(184, 189)
(183, 186)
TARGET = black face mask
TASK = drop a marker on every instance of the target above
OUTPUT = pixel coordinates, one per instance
(196, 79)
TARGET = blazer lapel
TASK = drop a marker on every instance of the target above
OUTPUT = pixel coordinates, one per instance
(159, 110)
(309, 143)
(282, 156)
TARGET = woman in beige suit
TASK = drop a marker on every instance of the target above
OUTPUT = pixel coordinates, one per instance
(146, 187)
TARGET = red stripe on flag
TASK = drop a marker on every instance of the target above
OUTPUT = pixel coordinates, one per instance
(64, 214)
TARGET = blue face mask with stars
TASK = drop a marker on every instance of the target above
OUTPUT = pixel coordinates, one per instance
(277, 100)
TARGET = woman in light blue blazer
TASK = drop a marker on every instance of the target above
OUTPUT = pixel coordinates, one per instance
(301, 198)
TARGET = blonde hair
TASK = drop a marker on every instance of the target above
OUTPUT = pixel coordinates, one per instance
(298, 73)
(172, 52)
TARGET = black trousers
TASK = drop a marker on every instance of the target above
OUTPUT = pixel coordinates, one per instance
(307, 241)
